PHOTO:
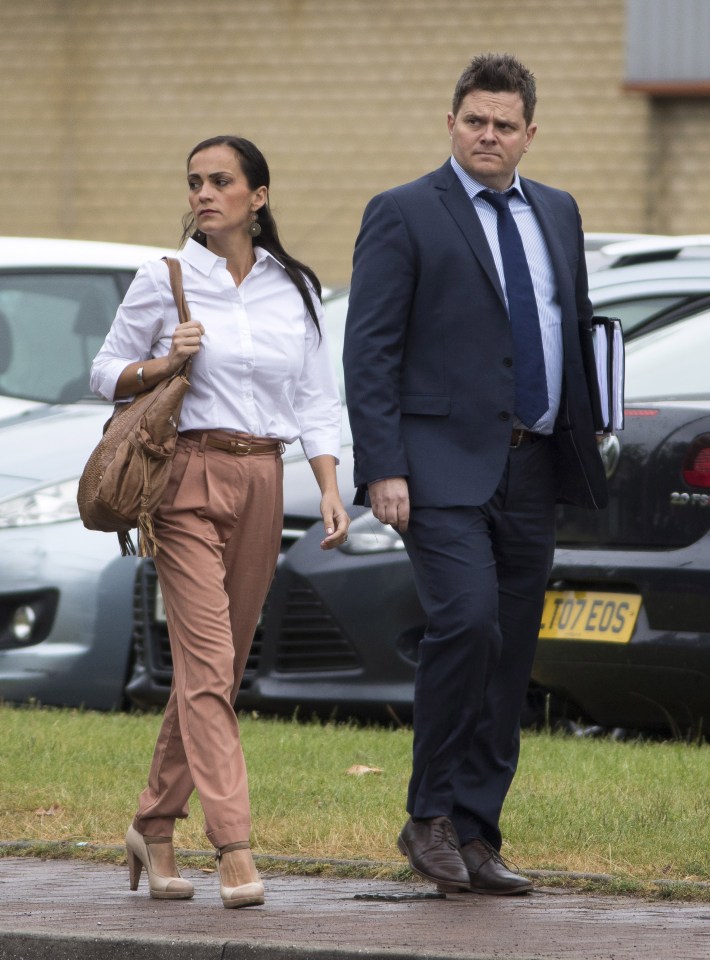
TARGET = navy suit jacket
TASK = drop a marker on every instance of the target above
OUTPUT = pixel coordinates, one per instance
(428, 368)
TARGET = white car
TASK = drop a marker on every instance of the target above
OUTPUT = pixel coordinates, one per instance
(646, 278)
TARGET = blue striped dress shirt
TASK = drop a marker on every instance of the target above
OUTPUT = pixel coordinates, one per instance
(543, 279)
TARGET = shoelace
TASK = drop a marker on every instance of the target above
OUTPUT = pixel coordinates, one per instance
(443, 832)
(496, 856)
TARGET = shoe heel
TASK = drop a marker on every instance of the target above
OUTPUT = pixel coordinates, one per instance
(139, 859)
(135, 868)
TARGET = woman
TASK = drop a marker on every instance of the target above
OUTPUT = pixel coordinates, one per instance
(261, 377)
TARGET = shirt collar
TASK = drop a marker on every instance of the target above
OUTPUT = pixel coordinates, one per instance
(473, 187)
(205, 261)
(261, 256)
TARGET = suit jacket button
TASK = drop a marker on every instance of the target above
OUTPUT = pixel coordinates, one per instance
(504, 415)
(507, 361)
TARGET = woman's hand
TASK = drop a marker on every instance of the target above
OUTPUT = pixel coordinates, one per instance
(335, 520)
(185, 343)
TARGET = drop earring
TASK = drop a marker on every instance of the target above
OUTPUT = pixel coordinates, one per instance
(254, 226)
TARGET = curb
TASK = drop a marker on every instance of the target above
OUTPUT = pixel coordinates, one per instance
(64, 947)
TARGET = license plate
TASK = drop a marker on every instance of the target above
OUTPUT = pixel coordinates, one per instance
(159, 608)
(581, 615)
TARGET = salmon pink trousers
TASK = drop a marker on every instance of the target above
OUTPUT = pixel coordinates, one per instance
(219, 529)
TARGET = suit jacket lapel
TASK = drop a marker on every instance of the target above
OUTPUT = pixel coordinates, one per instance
(551, 229)
(461, 208)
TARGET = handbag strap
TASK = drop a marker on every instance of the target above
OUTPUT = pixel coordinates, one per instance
(176, 286)
(183, 310)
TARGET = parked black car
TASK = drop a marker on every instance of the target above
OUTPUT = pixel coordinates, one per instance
(625, 638)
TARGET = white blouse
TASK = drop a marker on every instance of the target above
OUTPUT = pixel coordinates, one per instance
(261, 368)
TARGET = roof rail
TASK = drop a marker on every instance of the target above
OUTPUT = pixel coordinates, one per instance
(647, 249)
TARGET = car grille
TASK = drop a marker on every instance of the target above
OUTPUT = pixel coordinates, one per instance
(151, 635)
(309, 638)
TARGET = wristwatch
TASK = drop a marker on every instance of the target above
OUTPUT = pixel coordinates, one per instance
(139, 376)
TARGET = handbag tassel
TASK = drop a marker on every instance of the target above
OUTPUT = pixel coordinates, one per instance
(147, 542)
(126, 543)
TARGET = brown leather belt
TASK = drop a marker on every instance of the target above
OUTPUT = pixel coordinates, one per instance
(520, 435)
(238, 445)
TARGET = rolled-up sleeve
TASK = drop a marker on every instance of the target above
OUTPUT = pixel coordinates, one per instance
(134, 331)
(317, 398)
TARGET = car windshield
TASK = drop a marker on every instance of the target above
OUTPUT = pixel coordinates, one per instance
(670, 362)
(52, 325)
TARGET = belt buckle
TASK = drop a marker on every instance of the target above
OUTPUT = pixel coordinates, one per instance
(239, 448)
(516, 437)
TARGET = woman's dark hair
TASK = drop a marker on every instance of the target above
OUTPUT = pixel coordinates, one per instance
(256, 170)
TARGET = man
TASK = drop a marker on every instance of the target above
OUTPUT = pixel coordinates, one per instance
(471, 417)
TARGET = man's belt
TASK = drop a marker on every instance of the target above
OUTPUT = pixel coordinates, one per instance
(520, 435)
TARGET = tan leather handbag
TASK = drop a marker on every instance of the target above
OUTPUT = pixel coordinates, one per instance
(125, 476)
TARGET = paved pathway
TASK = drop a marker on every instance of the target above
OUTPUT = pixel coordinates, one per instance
(76, 910)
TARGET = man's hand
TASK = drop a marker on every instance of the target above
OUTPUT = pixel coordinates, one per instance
(390, 501)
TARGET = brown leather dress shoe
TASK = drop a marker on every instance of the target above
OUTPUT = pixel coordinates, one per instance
(488, 872)
(432, 848)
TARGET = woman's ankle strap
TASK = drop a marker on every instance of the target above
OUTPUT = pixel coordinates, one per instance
(240, 845)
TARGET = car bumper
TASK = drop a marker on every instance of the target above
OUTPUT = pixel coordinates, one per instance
(660, 678)
(339, 635)
(82, 655)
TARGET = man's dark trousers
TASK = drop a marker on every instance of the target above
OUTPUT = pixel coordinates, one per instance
(481, 574)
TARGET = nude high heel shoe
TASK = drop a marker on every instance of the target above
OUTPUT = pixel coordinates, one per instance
(161, 887)
(234, 862)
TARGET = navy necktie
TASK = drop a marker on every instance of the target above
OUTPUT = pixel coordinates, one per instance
(528, 358)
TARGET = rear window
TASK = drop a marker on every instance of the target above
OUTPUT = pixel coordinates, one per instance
(634, 312)
(671, 362)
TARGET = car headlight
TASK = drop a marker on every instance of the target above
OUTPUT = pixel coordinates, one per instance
(368, 535)
(51, 503)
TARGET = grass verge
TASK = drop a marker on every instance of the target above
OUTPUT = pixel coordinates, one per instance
(622, 816)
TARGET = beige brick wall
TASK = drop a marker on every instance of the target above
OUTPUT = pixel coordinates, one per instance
(100, 101)
(678, 197)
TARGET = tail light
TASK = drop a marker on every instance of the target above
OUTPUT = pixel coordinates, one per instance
(696, 466)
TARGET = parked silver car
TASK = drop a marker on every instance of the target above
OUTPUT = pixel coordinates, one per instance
(66, 597)
(72, 610)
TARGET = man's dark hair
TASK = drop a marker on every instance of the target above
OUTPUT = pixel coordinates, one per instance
(497, 73)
